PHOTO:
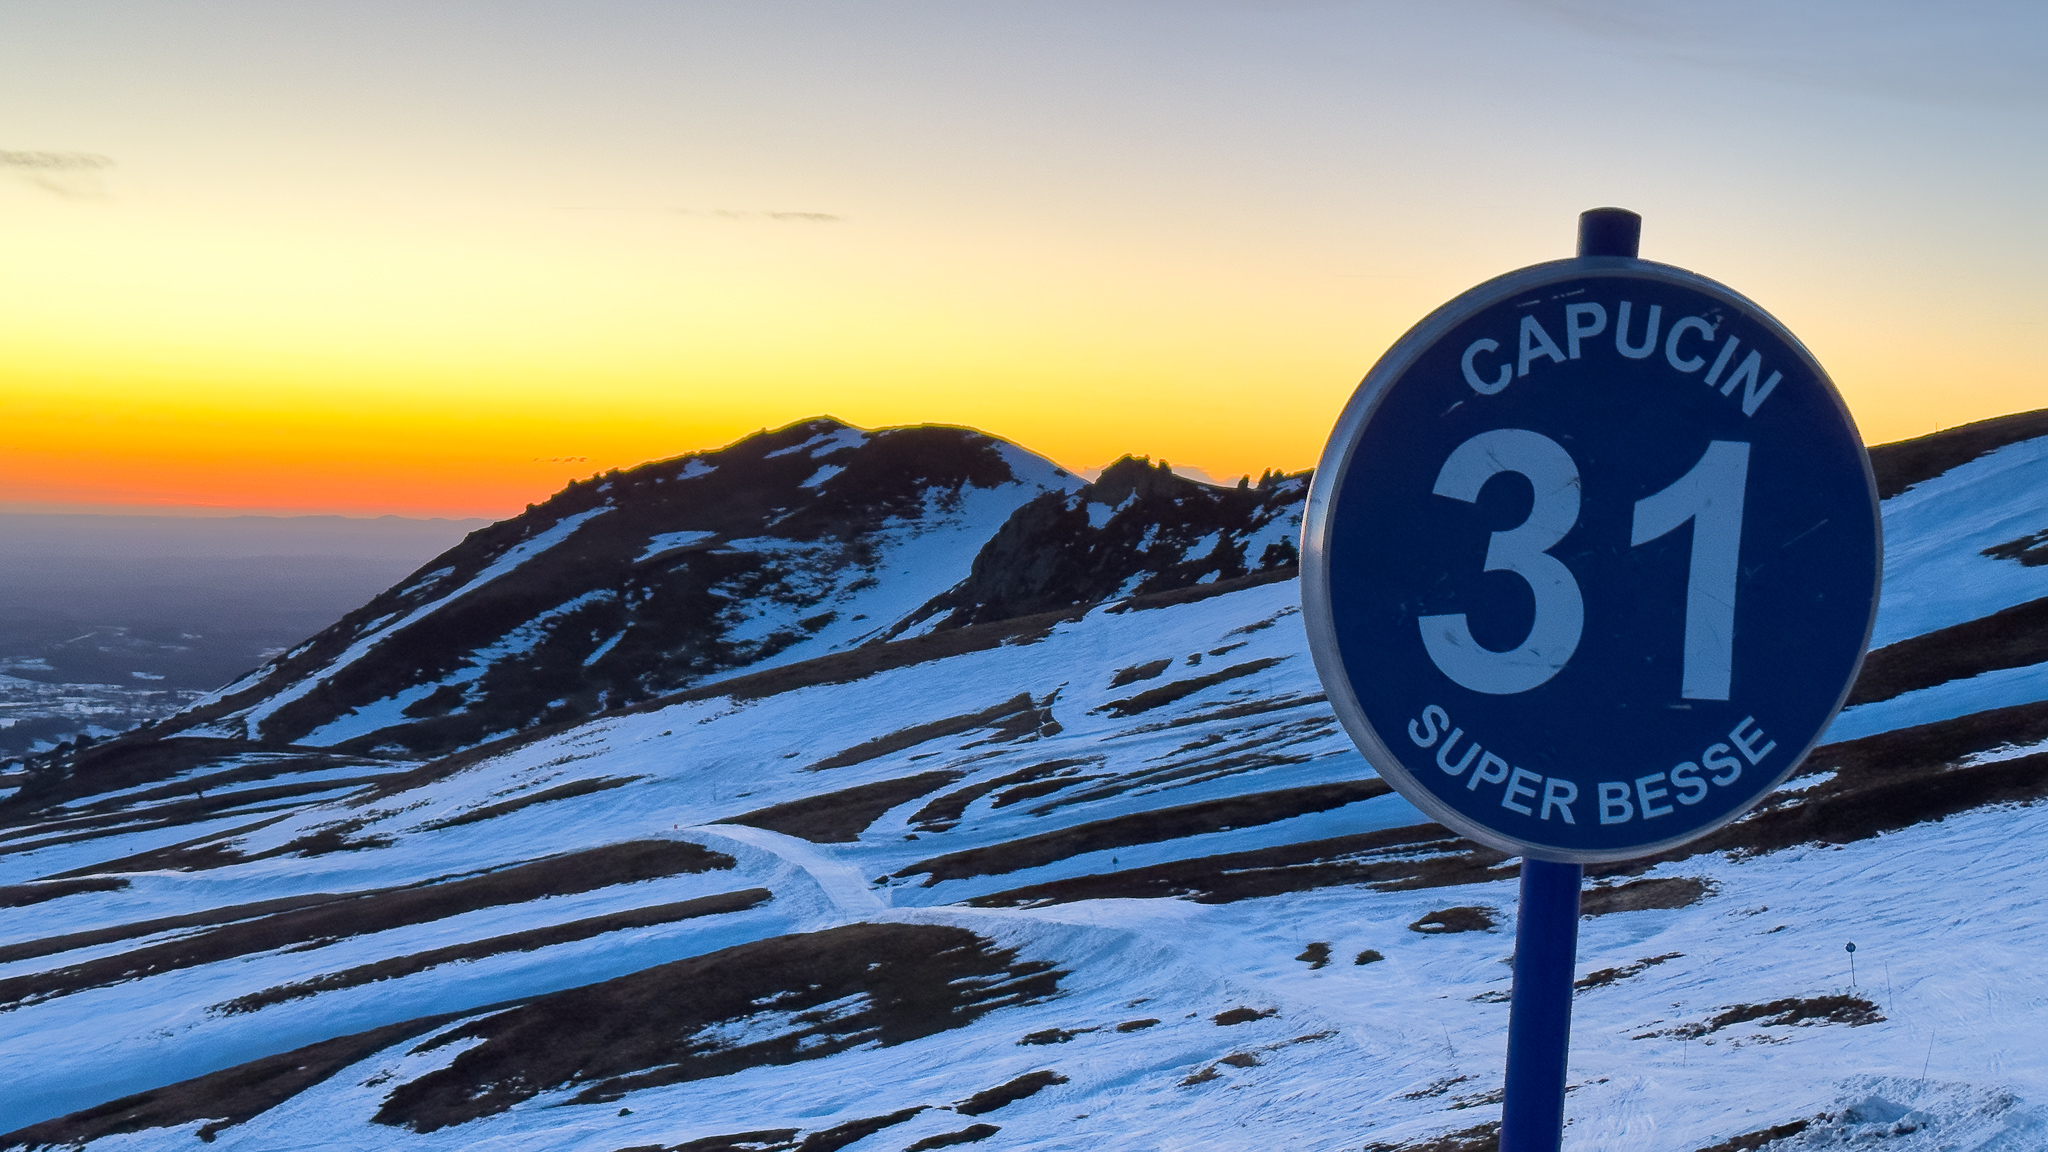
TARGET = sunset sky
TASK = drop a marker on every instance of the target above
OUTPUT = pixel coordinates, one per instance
(436, 258)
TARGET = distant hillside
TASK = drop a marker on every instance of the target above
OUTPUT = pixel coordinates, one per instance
(106, 621)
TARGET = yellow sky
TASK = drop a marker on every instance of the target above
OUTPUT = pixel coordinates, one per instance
(391, 264)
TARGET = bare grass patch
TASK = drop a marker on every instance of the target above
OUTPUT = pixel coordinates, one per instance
(1464, 918)
(1145, 828)
(823, 992)
(840, 817)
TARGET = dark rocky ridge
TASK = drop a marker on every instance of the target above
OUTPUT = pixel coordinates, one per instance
(1138, 529)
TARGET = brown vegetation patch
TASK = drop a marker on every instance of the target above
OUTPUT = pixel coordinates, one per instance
(1640, 895)
(2030, 551)
(946, 811)
(1369, 956)
(1243, 710)
(1464, 918)
(1137, 1025)
(1036, 788)
(840, 1135)
(1393, 859)
(765, 1140)
(1196, 592)
(1168, 693)
(968, 1135)
(860, 984)
(1029, 1084)
(1145, 828)
(1316, 955)
(331, 919)
(225, 1098)
(1751, 1141)
(1137, 672)
(2010, 638)
(1054, 1035)
(36, 892)
(1479, 1138)
(840, 817)
(1476, 1100)
(1435, 1088)
(1791, 1011)
(529, 940)
(911, 737)
(1904, 463)
(784, 1139)
(567, 791)
(1231, 1016)
(1606, 976)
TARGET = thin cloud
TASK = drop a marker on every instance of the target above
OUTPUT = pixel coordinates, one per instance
(72, 175)
(54, 161)
(718, 213)
(731, 214)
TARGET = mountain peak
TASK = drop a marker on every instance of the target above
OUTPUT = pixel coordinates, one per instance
(639, 582)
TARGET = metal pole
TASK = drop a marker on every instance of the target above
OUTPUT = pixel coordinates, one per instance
(1547, 926)
(1609, 232)
(1540, 1019)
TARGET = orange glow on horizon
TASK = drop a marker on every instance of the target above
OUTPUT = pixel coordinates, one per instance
(428, 261)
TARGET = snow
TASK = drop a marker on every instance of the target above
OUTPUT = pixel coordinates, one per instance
(915, 560)
(1352, 1050)
(2001, 688)
(1935, 572)
(667, 542)
(823, 444)
(369, 718)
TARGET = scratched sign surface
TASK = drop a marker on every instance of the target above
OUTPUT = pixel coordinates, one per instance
(1591, 559)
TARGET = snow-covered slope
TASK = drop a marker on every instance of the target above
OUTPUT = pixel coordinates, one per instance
(1048, 870)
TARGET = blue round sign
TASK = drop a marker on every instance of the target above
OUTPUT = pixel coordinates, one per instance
(1591, 559)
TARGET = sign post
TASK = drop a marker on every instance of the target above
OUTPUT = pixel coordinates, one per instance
(1589, 564)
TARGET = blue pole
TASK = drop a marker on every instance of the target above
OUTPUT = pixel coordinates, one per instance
(1540, 1019)
(1547, 927)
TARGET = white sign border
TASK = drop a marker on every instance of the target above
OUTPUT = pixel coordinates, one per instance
(1336, 462)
